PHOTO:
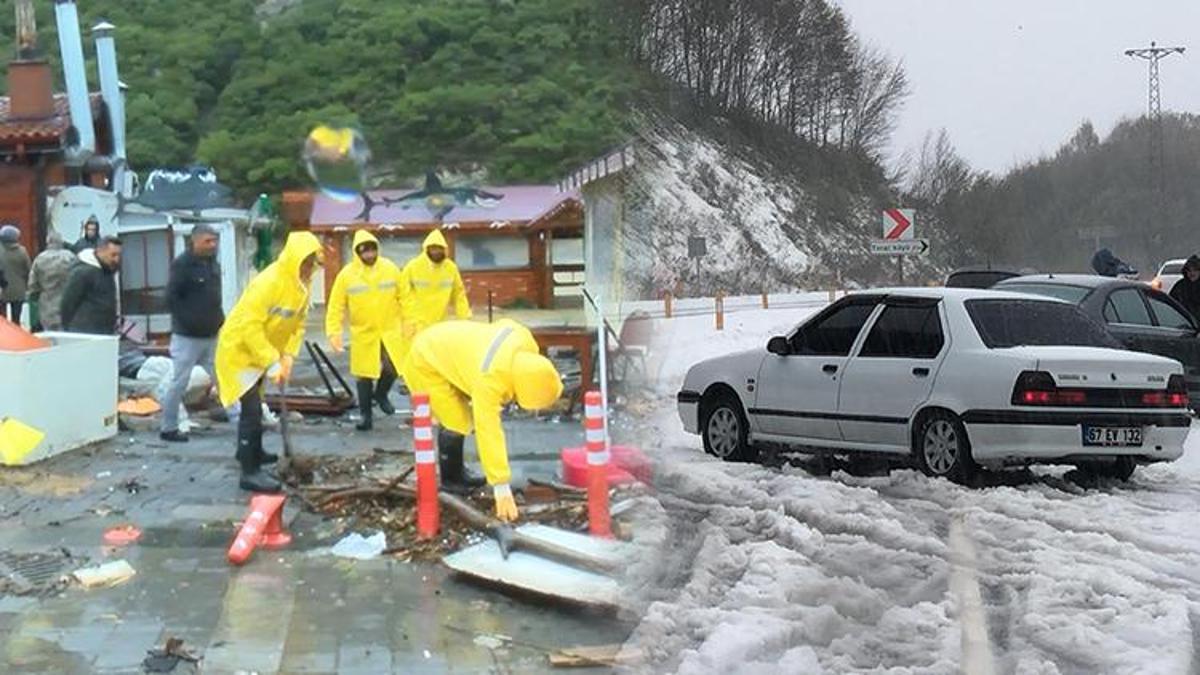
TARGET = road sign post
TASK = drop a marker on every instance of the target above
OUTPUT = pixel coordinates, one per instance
(899, 238)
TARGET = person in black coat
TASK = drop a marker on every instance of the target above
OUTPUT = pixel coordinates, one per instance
(89, 301)
(194, 296)
(1186, 291)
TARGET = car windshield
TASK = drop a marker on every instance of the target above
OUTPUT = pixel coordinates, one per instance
(1072, 294)
(1013, 323)
(1172, 268)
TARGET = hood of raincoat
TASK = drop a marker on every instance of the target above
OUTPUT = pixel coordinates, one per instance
(363, 237)
(296, 249)
(435, 238)
(536, 382)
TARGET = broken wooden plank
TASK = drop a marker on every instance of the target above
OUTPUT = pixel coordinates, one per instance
(530, 573)
(602, 655)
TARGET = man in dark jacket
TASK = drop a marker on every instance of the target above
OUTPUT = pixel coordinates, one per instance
(89, 302)
(91, 236)
(1186, 291)
(14, 261)
(194, 296)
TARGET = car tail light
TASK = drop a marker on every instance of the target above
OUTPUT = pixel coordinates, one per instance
(1176, 395)
(1038, 388)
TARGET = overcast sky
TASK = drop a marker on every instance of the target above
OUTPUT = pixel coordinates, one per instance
(1012, 79)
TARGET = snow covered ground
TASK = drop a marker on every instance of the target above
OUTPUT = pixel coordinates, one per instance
(750, 569)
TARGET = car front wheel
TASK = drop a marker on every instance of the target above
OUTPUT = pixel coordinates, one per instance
(941, 448)
(725, 429)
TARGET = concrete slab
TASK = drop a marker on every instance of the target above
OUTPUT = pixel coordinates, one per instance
(532, 574)
(255, 618)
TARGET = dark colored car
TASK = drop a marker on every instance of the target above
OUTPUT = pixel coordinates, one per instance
(979, 277)
(1142, 318)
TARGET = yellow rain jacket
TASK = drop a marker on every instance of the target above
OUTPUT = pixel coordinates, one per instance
(267, 321)
(374, 296)
(432, 289)
(471, 370)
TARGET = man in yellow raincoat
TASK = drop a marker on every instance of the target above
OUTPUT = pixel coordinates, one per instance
(370, 288)
(261, 338)
(470, 371)
(433, 286)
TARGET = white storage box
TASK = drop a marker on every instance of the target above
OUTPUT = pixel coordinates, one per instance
(67, 391)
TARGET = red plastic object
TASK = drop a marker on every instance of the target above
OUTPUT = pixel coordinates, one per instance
(122, 535)
(265, 518)
(626, 465)
(13, 338)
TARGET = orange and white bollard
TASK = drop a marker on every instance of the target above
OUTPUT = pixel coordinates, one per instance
(599, 519)
(720, 310)
(426, 460)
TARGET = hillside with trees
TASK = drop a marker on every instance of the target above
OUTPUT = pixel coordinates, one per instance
(1046, 214)
(517, 91)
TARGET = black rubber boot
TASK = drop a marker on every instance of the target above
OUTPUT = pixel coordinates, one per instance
(364, 405)
(454, 474)
(259, 481)
(382, 387)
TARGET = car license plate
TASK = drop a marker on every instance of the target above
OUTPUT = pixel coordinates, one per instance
(1112, 436)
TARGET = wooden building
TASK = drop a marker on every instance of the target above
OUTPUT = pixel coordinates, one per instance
(49, 140)
(526, 250)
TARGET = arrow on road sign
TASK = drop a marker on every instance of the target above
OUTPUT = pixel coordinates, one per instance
(899, 246)
(898, 223)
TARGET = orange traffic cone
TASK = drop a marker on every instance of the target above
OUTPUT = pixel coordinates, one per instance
(263, 508)
(14, 338)
(274, 536)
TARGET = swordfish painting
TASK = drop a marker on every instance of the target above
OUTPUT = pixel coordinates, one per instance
(436, 197)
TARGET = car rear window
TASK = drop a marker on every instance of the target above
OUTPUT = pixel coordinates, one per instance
(1072, 294)
(1172, 268)
(1012, 323)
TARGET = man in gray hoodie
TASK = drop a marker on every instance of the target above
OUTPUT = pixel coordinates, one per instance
(47, 280)
(14, 261)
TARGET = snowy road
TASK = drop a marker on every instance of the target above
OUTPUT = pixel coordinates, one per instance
(755, 569)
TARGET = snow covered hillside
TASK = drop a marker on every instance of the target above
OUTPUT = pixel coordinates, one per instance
(764, 225)
(751, 569)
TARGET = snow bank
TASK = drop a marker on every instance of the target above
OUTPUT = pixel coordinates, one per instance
(748, 569)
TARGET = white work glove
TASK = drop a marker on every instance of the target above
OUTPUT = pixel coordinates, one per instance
(506, 506)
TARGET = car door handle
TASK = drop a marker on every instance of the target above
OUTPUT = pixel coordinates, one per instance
(829, 368)
(921, 372)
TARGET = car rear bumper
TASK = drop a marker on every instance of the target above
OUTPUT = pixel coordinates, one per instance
(689, 410)
(1048, 436)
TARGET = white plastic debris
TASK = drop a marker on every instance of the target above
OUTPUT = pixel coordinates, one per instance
(108, 574)
(358, 547)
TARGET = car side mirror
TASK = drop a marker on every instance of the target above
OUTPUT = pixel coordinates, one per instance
(779, 345)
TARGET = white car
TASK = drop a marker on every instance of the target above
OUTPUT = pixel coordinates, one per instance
(1170, 272)
(948, 378)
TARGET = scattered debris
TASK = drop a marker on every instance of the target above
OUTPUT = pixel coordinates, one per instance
(133, 486)
(492, 641)
(108, 574)
(122, 535)
(164, 659)
(138, 407)
(587, 657)
(358, 547)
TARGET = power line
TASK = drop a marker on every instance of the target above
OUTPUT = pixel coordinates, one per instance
(1157, 150)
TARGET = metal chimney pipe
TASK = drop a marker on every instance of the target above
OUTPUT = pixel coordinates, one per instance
(114, 99)
(70, 44)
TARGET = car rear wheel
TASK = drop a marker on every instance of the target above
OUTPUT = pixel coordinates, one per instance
(941, 448)
(725, 429)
